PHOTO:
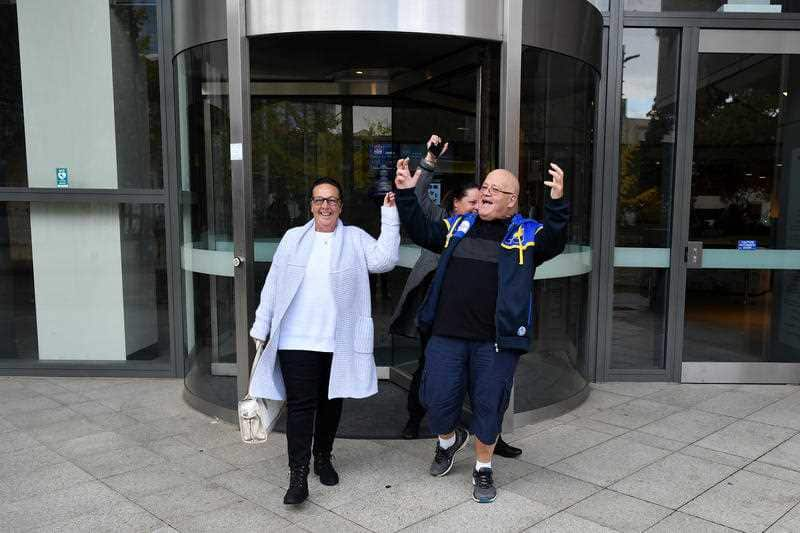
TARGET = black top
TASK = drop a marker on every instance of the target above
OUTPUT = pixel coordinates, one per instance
(468, 299)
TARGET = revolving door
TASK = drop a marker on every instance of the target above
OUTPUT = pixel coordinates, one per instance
(310, 92)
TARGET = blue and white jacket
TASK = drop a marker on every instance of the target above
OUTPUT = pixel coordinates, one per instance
(526, 245)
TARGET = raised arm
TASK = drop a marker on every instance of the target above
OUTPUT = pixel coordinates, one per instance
(552, 236)
(429, 234)
(432, 211)
(382, 254)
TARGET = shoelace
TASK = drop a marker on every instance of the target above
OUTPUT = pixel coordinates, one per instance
(484, 478)
(440, 455)
(297, 476)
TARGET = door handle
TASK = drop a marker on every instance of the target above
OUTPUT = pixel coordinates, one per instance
(693, 254)
(237, 261)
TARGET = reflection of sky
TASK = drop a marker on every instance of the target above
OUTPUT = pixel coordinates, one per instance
(640, 73)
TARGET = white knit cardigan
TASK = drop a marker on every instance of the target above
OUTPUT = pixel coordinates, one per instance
(354, 255)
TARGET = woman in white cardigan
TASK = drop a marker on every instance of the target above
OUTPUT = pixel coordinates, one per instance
(315, 310)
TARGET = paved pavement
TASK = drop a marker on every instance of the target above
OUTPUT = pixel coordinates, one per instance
(85, 454)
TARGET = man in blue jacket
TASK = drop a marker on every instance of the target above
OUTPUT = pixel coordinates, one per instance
(479, 308)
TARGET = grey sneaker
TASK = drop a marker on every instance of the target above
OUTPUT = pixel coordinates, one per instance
(484, 491)
(443, 459)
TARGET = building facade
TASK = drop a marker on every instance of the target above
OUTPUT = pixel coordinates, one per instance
(153, 153)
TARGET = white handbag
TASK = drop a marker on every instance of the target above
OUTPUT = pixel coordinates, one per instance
(257, 416)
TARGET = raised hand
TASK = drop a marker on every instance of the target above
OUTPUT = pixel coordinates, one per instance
(388, 200)
(557, 185)
(429, 157)
(403, 178)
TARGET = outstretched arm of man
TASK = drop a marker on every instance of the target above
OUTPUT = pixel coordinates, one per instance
(426, 233)
(553, 236)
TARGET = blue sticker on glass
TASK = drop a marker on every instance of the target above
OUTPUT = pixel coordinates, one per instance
(747, 245)
(62, 177)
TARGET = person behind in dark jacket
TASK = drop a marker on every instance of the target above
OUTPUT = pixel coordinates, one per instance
(463, 199)
(479, 308)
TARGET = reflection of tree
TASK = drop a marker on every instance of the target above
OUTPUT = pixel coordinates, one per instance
(641, 187)
(734, 140)
(295, 142)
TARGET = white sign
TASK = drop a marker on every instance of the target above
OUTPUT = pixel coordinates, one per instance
(236, 151)
(435, 192)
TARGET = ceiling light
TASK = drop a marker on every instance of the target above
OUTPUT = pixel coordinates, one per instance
(360, 72)
(785, 93)
(748, 174)
(762, 177)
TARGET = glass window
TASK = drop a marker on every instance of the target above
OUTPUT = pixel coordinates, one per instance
(718, 6)
(80, 98)
(646, 175)
(742, 306)
(602, 5)
(557, 124)
(206, 227)
(83, 283)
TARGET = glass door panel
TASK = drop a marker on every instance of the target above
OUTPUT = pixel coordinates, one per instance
(743, 296)
(646, 176)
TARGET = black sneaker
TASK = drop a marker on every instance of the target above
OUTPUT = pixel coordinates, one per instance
(443, 459)
(411, 431)
(298, 486)
(484, 491)
(324, 469)
(504, 449)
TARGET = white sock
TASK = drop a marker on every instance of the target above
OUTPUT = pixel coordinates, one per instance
(479, 465)
(446, 443)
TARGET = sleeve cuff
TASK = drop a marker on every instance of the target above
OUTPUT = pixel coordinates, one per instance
(404, 192)
(426, 166)
(389, 215)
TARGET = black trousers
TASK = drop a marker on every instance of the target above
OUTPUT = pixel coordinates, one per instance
(416, 411)
(309, 412)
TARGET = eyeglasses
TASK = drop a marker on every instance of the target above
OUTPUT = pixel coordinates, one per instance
(318, 201)
(491, 189)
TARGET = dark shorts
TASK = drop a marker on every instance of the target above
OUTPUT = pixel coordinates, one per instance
(454, 367)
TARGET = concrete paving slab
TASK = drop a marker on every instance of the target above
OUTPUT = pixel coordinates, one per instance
(42, 417)
(568, 523)
(171, 448)
(630, 388)
(619, 512)
(118, 461)
(555, 444)
(60, 432)
(788, 523)
(609, 462)
(182, 502)
(602, 427)
(508, 513)
(757, 467)
(249, 454)
(243, 516)
(785, 413)
(58, 506)
(745, 501)
(688, 426)
(687, 395)
(635, 413)
(141, 482)
(399, 506)
(655, 441)
(716, 457)
(673, 481)
(746, 438)
(268, 496)
(92, 444)
(552, 489)
(683, 522)
(49, 478)
(505, 470)
(13, 441)
(786, 455)
(327, 522)
(27, 460)
(121, 517)
(736, 403)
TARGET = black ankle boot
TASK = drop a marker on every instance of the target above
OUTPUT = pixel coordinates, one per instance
(324, 469)
(298, 486)
(411, 431)
(504, 449)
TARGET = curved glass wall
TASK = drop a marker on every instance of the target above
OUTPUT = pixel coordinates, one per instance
(206, 231)
(557, 118)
